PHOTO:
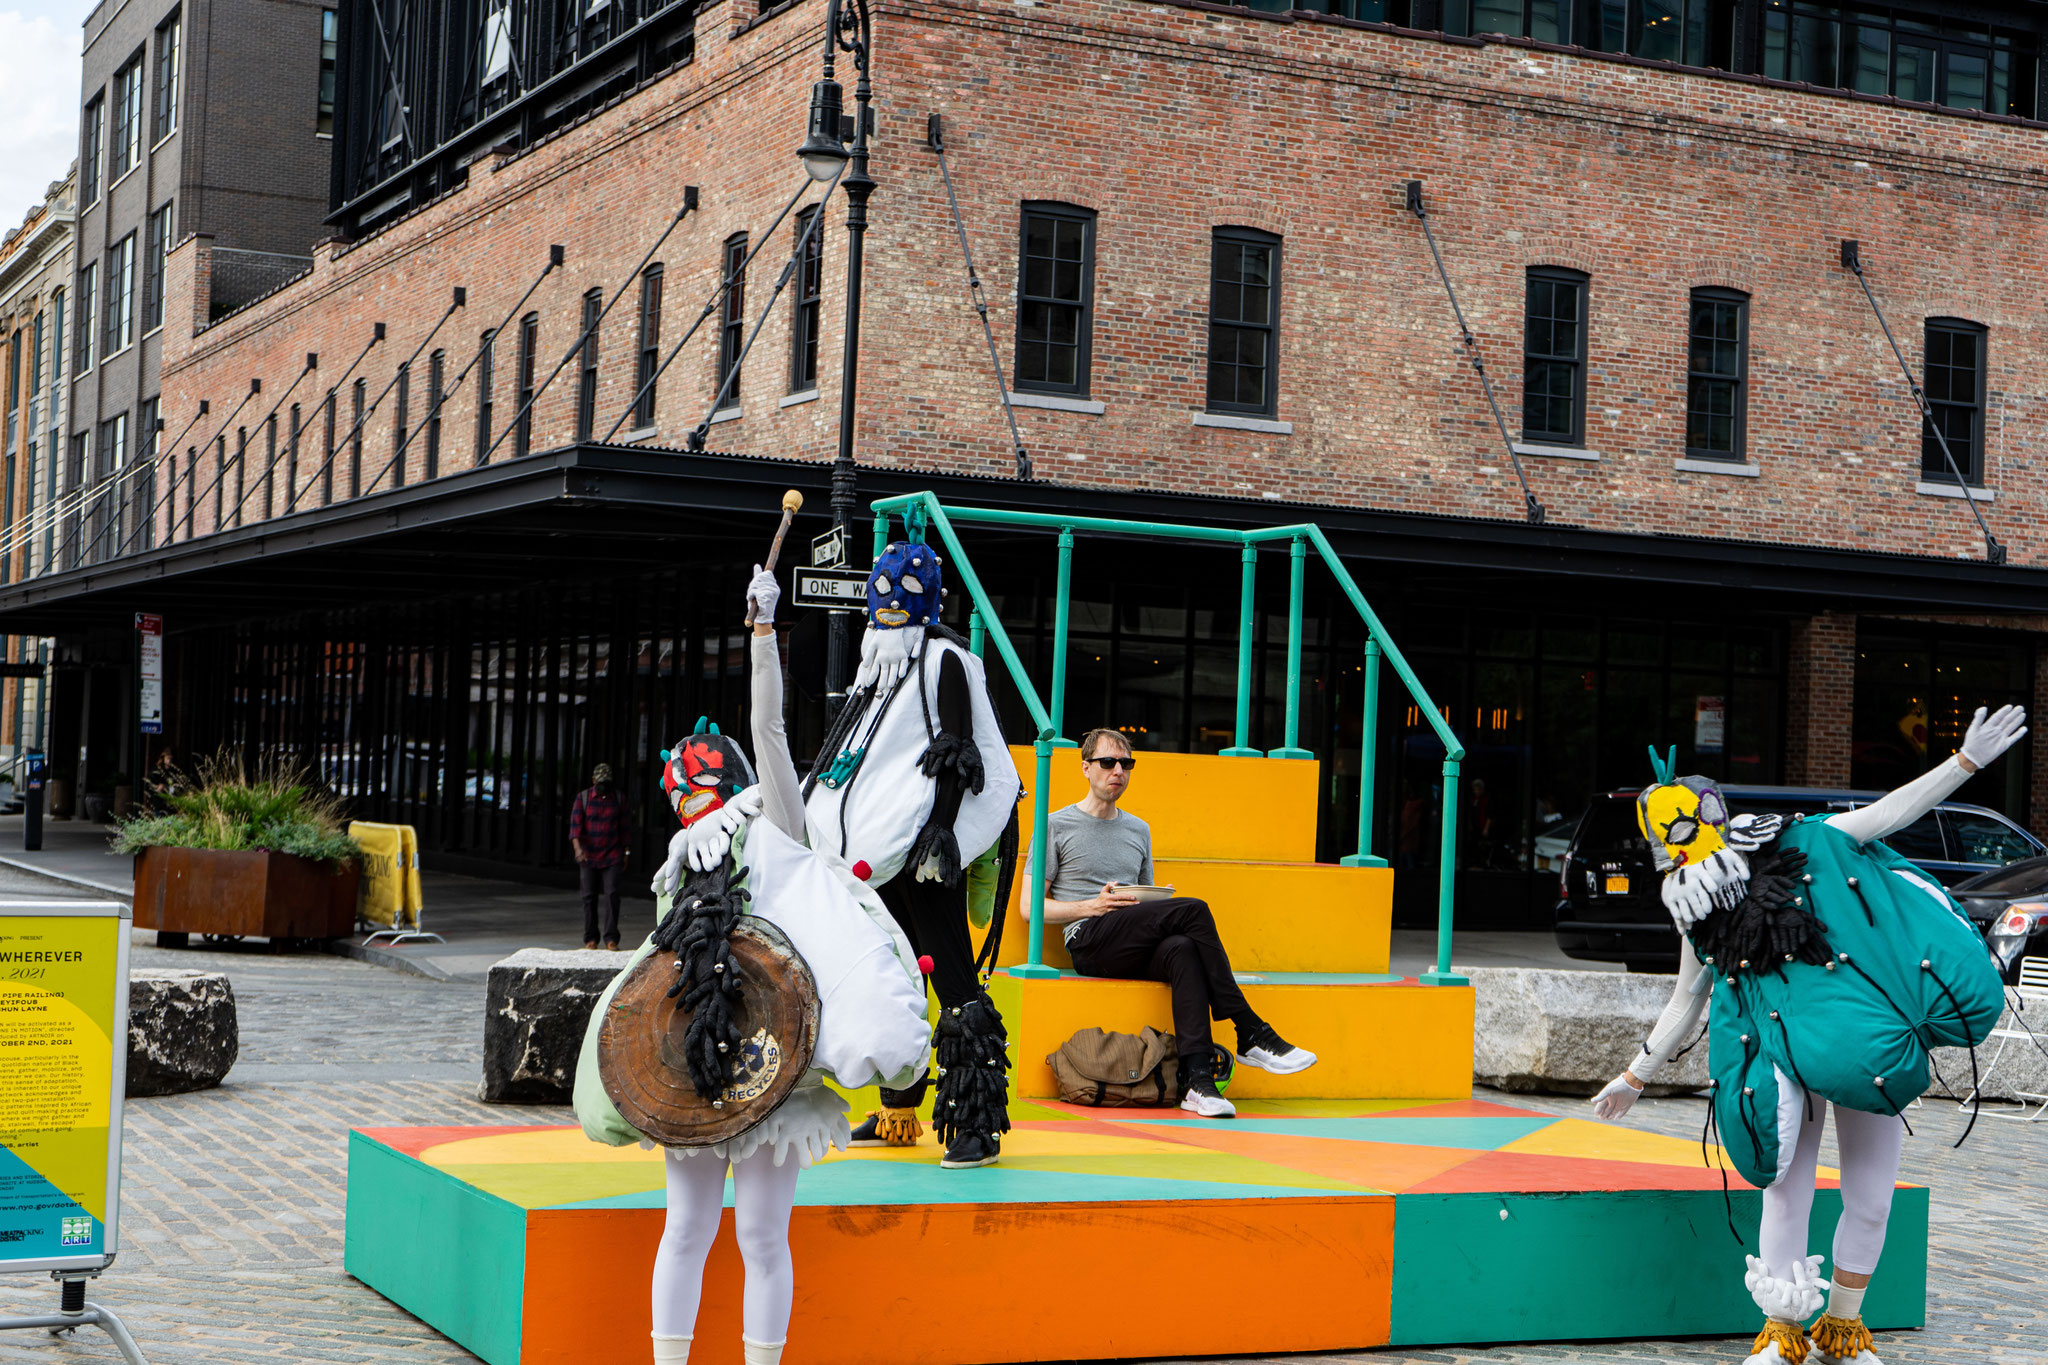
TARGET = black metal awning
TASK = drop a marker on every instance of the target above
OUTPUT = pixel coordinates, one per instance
(594, 511)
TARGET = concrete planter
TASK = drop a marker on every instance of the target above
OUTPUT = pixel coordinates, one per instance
(183, 891)
(536, 1006)
(1569, 1033)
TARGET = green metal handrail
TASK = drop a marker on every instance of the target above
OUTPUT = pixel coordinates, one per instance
(984, 625)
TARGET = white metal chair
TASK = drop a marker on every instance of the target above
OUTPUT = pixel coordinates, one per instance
(2031, 991)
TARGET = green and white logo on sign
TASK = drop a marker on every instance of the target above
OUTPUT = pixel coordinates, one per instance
(77, 1232)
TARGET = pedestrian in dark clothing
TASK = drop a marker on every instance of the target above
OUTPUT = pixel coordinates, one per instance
(597, 831)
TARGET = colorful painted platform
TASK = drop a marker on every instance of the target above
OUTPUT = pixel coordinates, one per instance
(1387, 1222)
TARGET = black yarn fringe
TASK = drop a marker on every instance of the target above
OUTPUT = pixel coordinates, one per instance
(1765, 929)
(973, 1072)
(957, 753)
(698, 930)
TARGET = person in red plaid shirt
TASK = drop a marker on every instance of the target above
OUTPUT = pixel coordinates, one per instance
(597, 831)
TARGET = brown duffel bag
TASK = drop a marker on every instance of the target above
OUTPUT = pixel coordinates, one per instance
(1118, 1070)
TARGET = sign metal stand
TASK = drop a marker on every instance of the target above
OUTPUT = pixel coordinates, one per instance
(64, 1035)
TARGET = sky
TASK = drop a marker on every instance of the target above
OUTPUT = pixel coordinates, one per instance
(40, 43)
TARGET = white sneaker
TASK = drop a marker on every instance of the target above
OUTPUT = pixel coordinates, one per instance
(1268, 1051)
(1203, 1101)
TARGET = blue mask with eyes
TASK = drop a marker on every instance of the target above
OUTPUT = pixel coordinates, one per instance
(906, 587)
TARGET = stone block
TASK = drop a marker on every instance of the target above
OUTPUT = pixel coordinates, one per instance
(537, 1004)
(183, 1033)
(1569, 1033)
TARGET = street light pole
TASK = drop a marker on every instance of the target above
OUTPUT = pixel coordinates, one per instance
(848, 30)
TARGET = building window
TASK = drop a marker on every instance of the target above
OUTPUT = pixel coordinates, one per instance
(329, 33)
(808, 312)
(486, 364)
(732, 322)
(269, 466)
(1717, 374)
(529, 348)
(497, 44)
(83, 325)
(1691, 32)
(327, 445)
(1955, 391)
(120, 315)
(1911, 54)
(401, 394)
(1545, 20)
(167, 58)
(355, 437)
(158, 247)
(586, 365)
(437, 372)
(650, 347)
(102, 513)
(1055, 298)
(126, 149)
(1244, 321)
(91, 132)
(144, 493)
(294, 433)
(1554, 358)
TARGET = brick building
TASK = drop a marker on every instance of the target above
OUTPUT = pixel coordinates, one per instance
(414, 558)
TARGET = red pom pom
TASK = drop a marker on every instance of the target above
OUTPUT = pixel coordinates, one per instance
(924, 964)
(862, 870)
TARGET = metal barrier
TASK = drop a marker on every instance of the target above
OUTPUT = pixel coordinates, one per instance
(985, 626)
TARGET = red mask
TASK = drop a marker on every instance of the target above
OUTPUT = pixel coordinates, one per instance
(703, 773)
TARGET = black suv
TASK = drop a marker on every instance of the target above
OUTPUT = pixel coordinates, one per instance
(1608, 907)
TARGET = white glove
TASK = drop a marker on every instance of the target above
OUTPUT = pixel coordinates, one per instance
(763, 592)
(671, 875)
(1988, 738)
(1748, 833)
(1793, 1300)
(710, 839)
(1616, 1100)
(885, 656)
(1687, 896)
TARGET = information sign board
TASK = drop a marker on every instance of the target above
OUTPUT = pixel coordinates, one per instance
(64, 1053)
(835, 589)
(149, 638)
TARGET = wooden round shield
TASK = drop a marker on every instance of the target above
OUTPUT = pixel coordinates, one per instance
(640, 1046)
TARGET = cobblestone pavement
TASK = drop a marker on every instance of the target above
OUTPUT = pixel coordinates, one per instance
(233, 1199)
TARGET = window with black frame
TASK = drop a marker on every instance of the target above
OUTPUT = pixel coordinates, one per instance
(732, 320)
(1915, 55)
(486, 364)
(1546, 20)
(529, 356)
(807, 309)
(650, 346)
(1244, 321)
(168, 56)
(91, 134)
(1055, 299)
(1554, 357)
(437, 387)
(1955, 392)
(586, 366)
(329, 52)
(1717, 371)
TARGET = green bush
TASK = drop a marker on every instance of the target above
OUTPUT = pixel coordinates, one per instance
(273, 810)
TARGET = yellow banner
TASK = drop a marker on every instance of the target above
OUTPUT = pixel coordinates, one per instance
(59, 1015)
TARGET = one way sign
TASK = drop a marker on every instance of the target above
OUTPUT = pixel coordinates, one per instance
(833, 589)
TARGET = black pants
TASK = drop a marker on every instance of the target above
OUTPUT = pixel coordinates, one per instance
(1174, 941)
(590, 879)
(933, 917)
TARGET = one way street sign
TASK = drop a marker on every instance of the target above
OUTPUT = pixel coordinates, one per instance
(833, 589)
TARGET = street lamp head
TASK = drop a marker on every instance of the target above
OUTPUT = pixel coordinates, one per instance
(823, 152)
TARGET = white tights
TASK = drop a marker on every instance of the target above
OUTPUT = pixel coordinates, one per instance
(1869, 1146)
(763, 1194)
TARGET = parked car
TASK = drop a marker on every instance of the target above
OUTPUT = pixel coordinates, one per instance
(1608, 907)
(2010, 904)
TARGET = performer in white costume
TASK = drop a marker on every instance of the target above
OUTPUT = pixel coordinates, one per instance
(1838, 965)
(740, 855)
(912, 785)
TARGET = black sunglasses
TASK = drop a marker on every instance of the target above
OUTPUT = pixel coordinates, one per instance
(1107, 763)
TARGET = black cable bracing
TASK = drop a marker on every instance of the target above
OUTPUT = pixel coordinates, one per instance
(582, 337)
(457, 302)
(978, 298)
(44, 518)
(1976, 1082)
(312, 364)
(717, 296)
(796, 255)
(1727, 1199)
(1852, 257)
(255, 387)
(156, 460)
(1531, 508)
(334, 396)
(377, 335)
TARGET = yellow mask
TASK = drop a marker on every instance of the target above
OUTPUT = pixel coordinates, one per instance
(1684, 820)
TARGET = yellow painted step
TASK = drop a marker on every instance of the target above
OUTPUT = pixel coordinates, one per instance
(1199, 805)
(1373, 1041)
(1272, 917)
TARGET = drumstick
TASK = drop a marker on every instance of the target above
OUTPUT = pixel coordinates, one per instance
(791, 501)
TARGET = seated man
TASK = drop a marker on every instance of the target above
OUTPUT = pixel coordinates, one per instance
(1093, 849)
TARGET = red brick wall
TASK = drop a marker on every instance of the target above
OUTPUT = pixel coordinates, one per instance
(1820, 695)
(1169, 121)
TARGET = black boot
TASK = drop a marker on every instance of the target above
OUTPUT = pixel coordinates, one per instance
(972, 1112)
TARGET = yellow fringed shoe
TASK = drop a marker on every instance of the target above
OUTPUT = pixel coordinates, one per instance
(889, 1128)
(1780, 1343)
(1842, 1341)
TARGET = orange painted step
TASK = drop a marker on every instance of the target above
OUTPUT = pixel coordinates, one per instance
(1200, 805)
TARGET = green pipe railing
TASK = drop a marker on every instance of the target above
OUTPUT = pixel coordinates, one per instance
(985, 626)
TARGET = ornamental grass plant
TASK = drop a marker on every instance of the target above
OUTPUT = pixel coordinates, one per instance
(225, 806)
